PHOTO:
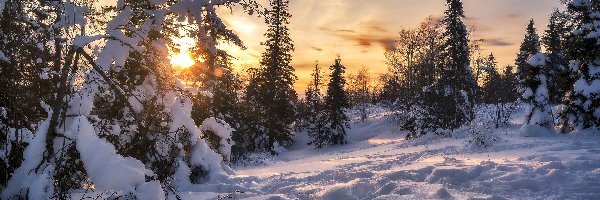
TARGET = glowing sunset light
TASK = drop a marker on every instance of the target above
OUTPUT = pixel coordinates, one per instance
(182, 60)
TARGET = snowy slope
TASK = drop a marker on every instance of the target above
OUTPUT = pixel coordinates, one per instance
(380, 164)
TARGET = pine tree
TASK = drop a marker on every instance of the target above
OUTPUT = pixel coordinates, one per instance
(509, 85)
(560, 79)
(530, 46)
(450, 100)
(335, 103)
(582, 110)
(272, 91)
(315, 118)
(491, 82)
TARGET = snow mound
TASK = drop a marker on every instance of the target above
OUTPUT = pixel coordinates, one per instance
(535, 131)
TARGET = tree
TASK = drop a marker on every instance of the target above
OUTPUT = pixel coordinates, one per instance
(272, 89)
(531, 64)
(336, 102)
(451, 98)
(560, 79)
(315, 109)
(490, 92)
(530, 46)
(536, 93)
(412, 61)
(583, 101)
(21, 63)
(359, 90)
(115, 109)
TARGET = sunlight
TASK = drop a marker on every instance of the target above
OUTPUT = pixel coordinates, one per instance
(183, 59)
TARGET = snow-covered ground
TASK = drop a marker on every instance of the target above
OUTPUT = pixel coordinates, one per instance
(380, 164)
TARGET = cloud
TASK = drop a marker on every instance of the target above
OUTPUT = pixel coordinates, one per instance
(367, 39)
(512, 16)
(497, 42)
(316, 48)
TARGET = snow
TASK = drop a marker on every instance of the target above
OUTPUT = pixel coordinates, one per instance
(537, 60)
(2, 3)
(150, 191)
(534, 131)
(3, 57)
(379, 164)
(224, 131)
(26, 174)
(582, 87)
(81, 41)
(105, 168)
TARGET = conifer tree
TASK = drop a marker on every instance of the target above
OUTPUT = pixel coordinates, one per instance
(335, 103)
(535, 92)
(491, 81)
(272, 92)
(560, 79)
(582, 110)
(315, 118)
(451, 99)
(530, 46)
(24, 55)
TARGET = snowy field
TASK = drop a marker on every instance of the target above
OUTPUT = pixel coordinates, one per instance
(380, 164)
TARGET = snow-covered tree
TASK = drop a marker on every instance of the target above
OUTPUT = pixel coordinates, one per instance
(582, 110)
(530, 46)
(315, 112)
(24, 54)
(120, 119)
(336, 102)
(560, 79)
(535, 94)
(451, 98)
(272, 90)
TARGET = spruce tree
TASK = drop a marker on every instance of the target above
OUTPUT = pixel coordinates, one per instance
(491, 81)
(335, 103)
(560, 79)
(535, 92)
(315, 118)
(530, 46)
(582, 110)
(450, 100)
(272, 92)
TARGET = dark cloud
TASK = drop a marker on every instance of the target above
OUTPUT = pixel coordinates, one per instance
(367, 39)
(497, 42)
(346, 30)
(316, 48)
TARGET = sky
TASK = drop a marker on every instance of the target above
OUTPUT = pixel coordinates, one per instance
(360, 30)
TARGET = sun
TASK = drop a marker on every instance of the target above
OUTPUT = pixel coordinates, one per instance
(182, 60)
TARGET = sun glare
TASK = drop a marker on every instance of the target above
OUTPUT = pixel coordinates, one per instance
(182, 60)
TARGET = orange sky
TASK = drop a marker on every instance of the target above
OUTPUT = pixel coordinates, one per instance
(359, 30)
